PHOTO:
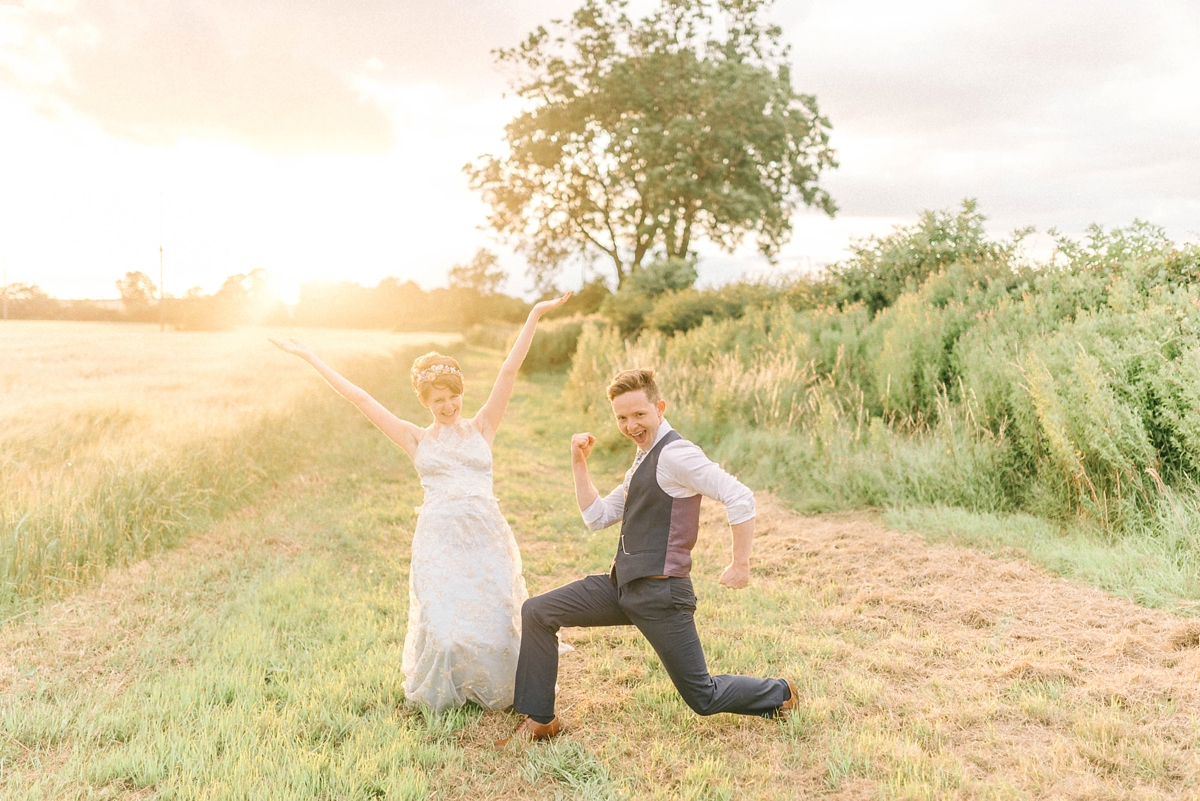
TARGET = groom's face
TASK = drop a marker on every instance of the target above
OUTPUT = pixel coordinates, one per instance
(638, 418)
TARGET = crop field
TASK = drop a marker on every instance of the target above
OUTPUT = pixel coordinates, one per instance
(249, 645)
(168, 387)
(114, 436)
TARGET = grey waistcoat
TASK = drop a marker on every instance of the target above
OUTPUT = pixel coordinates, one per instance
(658, 532)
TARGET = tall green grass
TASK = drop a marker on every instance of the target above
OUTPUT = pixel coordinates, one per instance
(70, 523)
(1068, 390)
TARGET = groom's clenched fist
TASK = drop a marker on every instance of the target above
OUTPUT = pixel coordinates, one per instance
(581, 447)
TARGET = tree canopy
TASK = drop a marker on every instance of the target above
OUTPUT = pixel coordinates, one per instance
(137, 291)
(483, 273)
(639, 137)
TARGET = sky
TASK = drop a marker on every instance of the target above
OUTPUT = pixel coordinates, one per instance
(326, 140)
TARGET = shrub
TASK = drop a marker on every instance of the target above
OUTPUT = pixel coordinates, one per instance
(916, 338)
(685, 309)
(664, 275)
(494, 336)
(553, 345)
(586, 301)
(881, 269)
(627, 309)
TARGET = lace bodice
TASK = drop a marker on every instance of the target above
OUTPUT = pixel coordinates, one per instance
(454, 461)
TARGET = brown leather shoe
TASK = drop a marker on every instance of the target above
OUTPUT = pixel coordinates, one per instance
(788, 706)
(532, 731)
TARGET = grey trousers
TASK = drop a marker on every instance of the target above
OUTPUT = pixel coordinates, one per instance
(662, 610)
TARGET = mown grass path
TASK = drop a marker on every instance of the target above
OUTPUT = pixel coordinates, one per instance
(260, 659)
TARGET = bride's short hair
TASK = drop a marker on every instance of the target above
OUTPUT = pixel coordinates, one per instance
(435, 371)
(632, 381)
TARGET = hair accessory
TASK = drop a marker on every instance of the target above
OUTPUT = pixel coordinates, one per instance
(435, 370)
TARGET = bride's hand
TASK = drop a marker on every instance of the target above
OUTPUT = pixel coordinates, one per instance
(546, 305)
(294, 347)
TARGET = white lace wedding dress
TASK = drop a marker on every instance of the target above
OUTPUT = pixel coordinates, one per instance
(465, 583)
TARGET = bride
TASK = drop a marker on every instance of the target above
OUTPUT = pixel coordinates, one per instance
(465, 583)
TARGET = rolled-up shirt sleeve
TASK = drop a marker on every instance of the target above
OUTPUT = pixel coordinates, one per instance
(606, 510)
(684, 470)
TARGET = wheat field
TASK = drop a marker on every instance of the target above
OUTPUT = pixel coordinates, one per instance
(116, 439)
(168, 386)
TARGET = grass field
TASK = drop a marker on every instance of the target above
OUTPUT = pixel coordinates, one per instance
(117, 439)
(259, 658)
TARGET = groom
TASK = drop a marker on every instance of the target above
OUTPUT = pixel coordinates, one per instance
(658, 506)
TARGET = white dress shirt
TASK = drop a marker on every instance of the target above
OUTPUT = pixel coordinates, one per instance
(683, 471)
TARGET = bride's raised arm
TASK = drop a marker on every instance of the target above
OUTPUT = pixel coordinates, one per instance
(488, 418)
(405, 434)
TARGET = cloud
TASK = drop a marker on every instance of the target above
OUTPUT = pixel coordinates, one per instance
(1053, 114)
(902, 68)
(159, 84)
(277, 76)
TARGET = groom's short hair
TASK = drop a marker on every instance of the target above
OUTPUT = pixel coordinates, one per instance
(632, 381)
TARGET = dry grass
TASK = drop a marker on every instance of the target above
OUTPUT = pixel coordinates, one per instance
(935, 657)
(155, 391)
(117, 440)
(926, 671)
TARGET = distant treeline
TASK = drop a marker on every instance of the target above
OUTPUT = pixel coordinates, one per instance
(247, 299)
(29, 302)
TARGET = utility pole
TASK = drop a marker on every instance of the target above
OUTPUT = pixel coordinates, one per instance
(162, 326)
(161, 318)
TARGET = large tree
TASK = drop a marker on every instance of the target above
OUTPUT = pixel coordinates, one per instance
(639, 137)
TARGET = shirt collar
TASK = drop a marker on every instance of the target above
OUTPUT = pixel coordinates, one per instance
(664, 428)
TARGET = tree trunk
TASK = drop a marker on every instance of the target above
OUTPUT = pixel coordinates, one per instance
(673, 237)
(685, 241)
(622, 271)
